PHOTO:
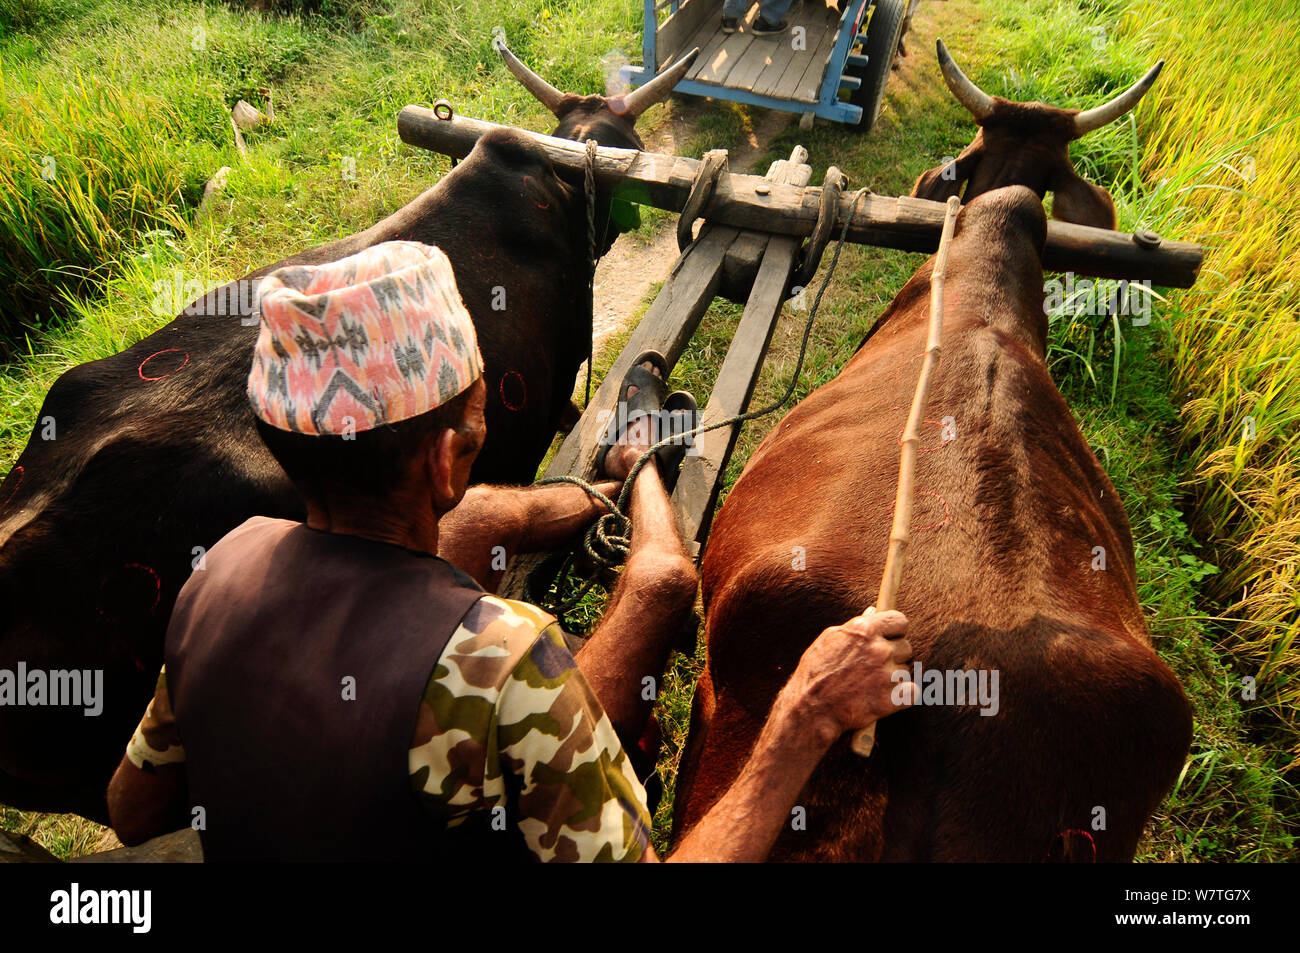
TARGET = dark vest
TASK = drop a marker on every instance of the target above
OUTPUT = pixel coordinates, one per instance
(296, 662)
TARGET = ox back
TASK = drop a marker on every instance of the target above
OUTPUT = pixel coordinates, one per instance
(156, 456)
(1091, 727)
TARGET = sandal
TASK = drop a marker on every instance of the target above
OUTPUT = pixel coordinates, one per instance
(681, 415)
(676, 413)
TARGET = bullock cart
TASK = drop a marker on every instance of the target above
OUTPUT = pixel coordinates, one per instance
(751, 248)
(833, 62)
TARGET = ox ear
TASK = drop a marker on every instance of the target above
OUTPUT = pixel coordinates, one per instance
(1075, 199)
(944, 181)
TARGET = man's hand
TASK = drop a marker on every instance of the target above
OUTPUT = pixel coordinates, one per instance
(846, 679)
(844, 682)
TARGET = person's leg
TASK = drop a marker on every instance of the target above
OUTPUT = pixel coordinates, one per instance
(774, 10)
(734, 9)
(651, 604)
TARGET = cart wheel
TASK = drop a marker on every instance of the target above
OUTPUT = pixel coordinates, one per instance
(882, 40)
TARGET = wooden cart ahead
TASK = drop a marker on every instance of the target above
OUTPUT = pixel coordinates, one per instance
(833, 61)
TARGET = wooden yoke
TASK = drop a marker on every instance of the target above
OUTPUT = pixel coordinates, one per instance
(785, 208)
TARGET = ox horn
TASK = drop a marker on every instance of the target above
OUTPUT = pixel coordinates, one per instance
(657, 90)
(1090, 119)
(976, 101)
(543, 91)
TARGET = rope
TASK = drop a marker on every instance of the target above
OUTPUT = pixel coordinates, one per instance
(608, 540)
(590, 187)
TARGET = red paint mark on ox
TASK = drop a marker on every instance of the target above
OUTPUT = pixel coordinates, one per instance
(123, 592)
(529, 185)
(934, 524)
(1063, 847)
(519, 388)
(185, 359)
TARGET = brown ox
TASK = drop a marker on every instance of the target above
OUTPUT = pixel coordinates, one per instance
(1027, 144)
(1013, 518)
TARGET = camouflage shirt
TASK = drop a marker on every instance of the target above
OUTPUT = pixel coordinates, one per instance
(505, 698)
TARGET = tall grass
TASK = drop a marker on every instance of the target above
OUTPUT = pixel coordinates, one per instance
(83, 171)
(1222, 139)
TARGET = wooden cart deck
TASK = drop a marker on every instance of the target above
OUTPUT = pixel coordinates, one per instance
(768, 65)
(800, 70)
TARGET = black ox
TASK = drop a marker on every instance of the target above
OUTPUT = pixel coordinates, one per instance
(156, 456)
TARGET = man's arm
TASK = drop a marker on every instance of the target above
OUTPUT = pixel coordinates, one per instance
(148, 795)
(518, 520)
(845, 681)
(509, 724)
(144, 803)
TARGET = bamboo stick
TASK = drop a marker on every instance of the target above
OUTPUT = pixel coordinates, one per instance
(900, 533)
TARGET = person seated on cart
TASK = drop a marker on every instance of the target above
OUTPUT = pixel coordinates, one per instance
(770, 20)
(346, 689)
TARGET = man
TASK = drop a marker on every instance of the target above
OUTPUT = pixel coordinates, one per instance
(335, 690)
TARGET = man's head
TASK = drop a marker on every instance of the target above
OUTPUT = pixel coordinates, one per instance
(1027, 144)
(367, 380)
(429, 455)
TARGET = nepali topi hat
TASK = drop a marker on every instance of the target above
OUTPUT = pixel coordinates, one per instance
(372, 339)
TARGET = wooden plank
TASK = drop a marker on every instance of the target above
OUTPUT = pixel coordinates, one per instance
(810, 84)
(745, 255)
(709, 39)
(666, 327)
(674, 34)
(821, 38)
(757, 58)
(701, 477)
(905, 223)
(700, 481)
(767, 81)
(720, 63)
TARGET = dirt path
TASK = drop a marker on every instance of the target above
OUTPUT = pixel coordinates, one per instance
(625, 276)
(634, 265)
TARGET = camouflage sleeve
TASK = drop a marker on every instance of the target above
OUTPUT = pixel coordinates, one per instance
(507, 697)
(156, 741)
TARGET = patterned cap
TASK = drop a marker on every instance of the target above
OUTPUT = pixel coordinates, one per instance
(373, 339)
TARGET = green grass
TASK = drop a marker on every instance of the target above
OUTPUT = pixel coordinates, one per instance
(1163, 405)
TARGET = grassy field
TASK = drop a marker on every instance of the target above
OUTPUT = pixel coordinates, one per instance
(1208, 157)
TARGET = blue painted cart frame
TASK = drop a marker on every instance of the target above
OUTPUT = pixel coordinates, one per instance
(850, 34)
